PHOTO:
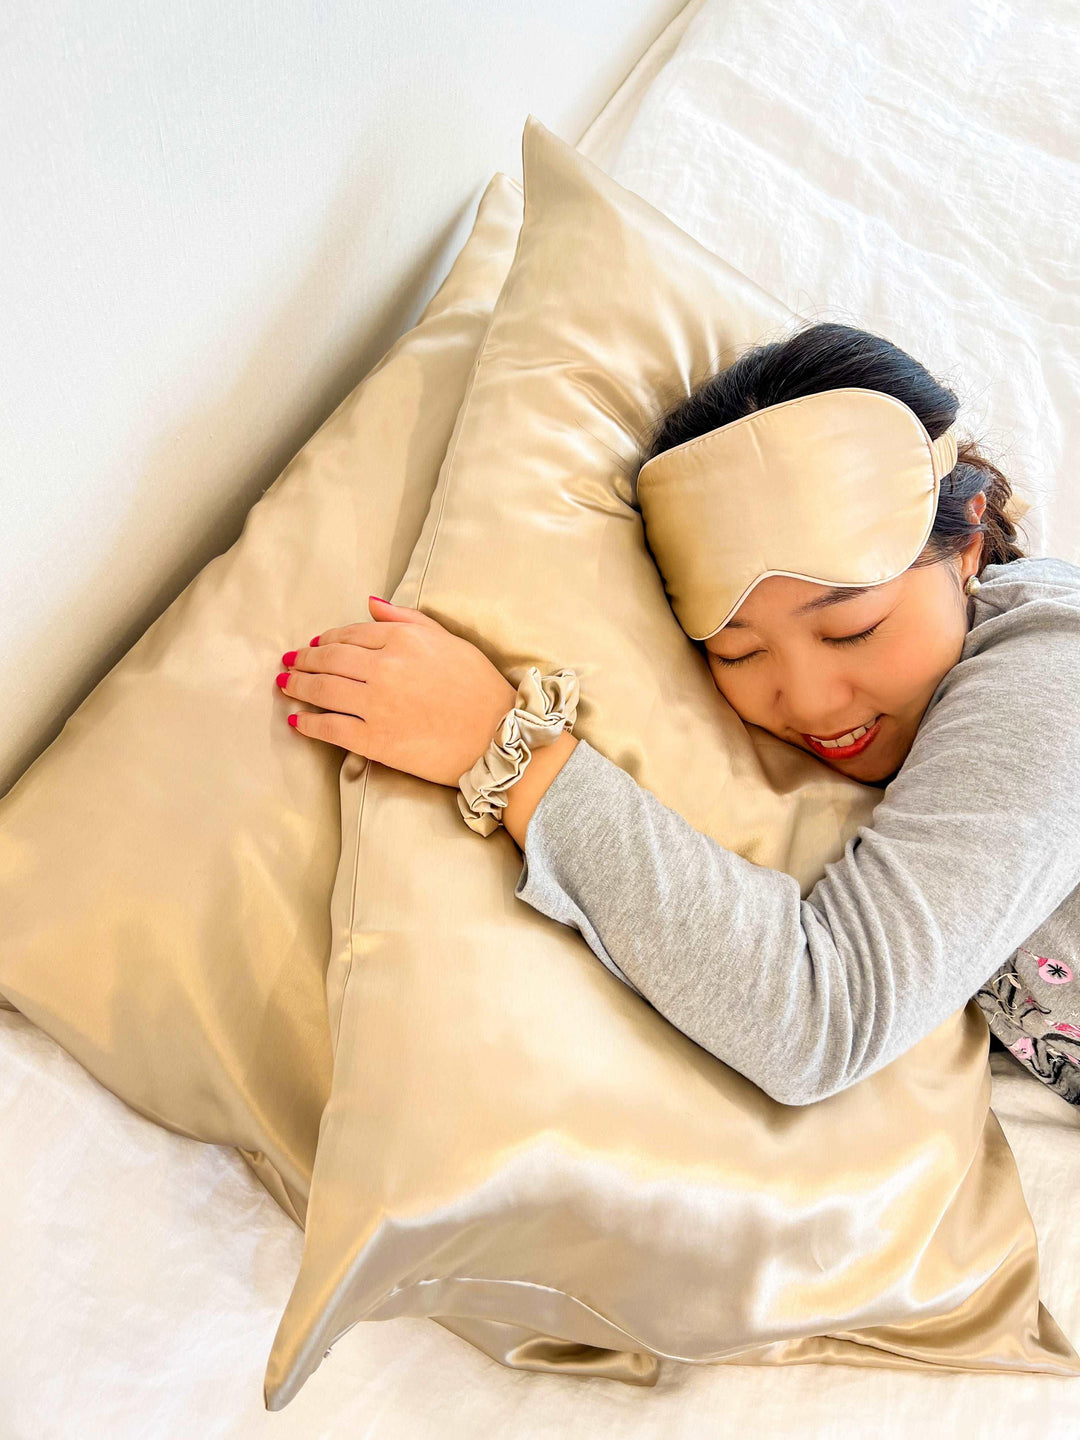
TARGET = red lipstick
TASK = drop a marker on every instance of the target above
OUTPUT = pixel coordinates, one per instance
(846, 751)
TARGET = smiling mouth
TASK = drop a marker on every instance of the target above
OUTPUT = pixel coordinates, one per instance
(862, 738)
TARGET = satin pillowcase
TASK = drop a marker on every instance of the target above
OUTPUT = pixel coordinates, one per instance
(515, 1142)
(166, 865)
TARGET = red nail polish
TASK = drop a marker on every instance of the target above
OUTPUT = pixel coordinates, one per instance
(292, 720)
(289, 658)
(282, 679)
(380, 599)
(314, 641)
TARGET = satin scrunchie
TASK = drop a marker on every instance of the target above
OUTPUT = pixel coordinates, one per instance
(545, 706)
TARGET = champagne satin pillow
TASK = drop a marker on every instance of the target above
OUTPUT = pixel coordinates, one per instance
(166, 864)
(516, 1143)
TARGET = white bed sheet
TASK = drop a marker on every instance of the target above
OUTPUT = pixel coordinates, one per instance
(913, 169)
(142, 1275)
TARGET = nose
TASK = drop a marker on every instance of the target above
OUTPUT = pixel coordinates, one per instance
(820, 698)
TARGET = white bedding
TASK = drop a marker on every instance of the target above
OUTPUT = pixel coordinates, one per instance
(142, 1275)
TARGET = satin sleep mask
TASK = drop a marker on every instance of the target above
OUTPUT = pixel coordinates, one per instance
(840, 488)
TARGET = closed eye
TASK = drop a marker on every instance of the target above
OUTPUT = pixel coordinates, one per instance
(829, 640)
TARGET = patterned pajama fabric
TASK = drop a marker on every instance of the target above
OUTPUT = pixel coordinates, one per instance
(1032, 1005)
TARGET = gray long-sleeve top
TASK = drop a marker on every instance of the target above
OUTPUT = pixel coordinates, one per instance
(971, 864)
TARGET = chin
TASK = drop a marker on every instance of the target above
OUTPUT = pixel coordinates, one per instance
(879, 774)
(850, 769)
(876, 779)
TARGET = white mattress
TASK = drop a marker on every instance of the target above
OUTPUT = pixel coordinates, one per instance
(142, 1275)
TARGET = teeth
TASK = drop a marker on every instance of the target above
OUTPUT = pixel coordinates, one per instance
(848, 739)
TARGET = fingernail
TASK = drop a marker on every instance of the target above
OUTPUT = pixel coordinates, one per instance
(289, 658)
(292, 720)
(314, 641)
(282, 679)
(380, 598)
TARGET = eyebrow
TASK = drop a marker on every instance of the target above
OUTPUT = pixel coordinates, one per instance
(831, 597)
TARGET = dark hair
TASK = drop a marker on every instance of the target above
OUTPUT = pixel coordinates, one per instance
(828, 355)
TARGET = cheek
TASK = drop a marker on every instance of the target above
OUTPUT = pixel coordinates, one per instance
(894, 676)
(723, 685)
(747, 695)
(908, 671)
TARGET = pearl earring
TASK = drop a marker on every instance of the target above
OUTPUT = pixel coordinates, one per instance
(973, 586)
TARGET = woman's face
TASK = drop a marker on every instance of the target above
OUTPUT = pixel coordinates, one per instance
(805, 677)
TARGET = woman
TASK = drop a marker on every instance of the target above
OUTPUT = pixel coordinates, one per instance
(968, 881)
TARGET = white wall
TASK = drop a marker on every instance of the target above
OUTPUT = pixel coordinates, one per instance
(217, 215)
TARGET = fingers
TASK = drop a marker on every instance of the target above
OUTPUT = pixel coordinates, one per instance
(344, 730)
(376, 633)
(328, 691)
(355, 662)
(373, 634)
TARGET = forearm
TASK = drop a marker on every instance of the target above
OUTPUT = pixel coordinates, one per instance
(686, 924)
(804, 997)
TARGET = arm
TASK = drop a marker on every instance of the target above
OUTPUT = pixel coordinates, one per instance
(525, 794)
(974, 844)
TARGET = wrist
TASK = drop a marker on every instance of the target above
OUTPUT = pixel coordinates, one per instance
(525, 794)
(530, 746)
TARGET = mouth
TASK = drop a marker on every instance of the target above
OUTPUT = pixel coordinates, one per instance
(845, 752)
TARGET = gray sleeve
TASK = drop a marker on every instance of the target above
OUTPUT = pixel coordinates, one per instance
(973, 845)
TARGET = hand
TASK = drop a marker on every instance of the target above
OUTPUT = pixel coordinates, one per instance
(403, 690)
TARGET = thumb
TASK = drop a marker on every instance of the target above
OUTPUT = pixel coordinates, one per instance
(389, 611)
